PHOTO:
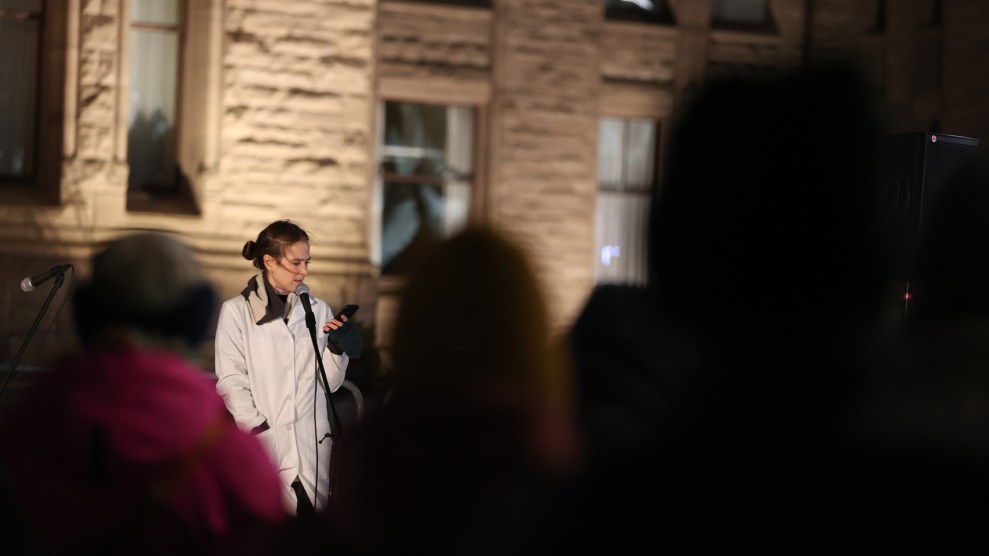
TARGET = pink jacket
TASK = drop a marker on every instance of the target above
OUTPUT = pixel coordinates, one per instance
(116, 451)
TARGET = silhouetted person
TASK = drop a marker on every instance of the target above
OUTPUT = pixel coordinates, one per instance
(630, 363)
(631, 367)
(767, 254)
(475, 435)
(770, 244)
(125, 447)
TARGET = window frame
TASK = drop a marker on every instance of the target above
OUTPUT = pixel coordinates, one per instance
(197, 124)
(393, 281)
(43, 185)
(646, 192)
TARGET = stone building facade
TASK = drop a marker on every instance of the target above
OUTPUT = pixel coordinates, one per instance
(281, 111)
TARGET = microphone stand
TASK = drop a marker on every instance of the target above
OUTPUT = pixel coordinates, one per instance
(59, 278)
(336, 429)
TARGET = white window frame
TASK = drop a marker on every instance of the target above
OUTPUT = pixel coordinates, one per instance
(472, 182)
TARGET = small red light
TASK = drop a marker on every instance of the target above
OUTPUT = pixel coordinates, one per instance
(933, 138)
(906, 296)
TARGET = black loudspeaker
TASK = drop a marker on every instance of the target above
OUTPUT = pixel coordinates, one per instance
(916, 167)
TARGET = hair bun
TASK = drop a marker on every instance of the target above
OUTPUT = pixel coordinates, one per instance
(249, 249)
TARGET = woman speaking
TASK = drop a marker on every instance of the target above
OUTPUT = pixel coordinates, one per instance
(266, 363)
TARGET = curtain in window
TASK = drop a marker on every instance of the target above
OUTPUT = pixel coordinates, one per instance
(621, 237)
(626, 174)
(153, 101)
(611, 164)
(460, 162)
(640, 158)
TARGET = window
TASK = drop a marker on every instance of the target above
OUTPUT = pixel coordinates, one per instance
(426, 159)
(32, 80)
(753, 15)
(169, 106)
(627, 175)
(647, 11)
(152, 113)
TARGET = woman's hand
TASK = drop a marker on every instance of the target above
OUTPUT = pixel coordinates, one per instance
(334, 324)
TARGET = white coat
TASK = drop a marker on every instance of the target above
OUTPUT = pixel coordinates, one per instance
(268, 373)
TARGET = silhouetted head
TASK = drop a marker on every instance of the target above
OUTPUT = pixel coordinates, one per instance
(146, 283)
(770, 206)
(472, 314)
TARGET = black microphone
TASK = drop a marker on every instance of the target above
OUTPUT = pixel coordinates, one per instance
(28, 284)
(302, 291)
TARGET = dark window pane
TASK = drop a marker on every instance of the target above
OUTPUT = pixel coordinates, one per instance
(752, 16)
(412, 217)
(19, 43)
(431, 165)
(648, 11)
(415, 125)
(751, 12)
(33, 6)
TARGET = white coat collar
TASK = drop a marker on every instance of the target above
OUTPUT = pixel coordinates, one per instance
(259, 302)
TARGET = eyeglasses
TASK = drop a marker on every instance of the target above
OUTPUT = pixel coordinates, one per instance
(293, 267)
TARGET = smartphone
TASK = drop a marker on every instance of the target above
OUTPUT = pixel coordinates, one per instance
(347, 311)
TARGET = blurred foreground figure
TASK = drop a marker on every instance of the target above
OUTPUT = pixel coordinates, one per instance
(729, 386)
(769, 244)
(126, 448)
(476, 434)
